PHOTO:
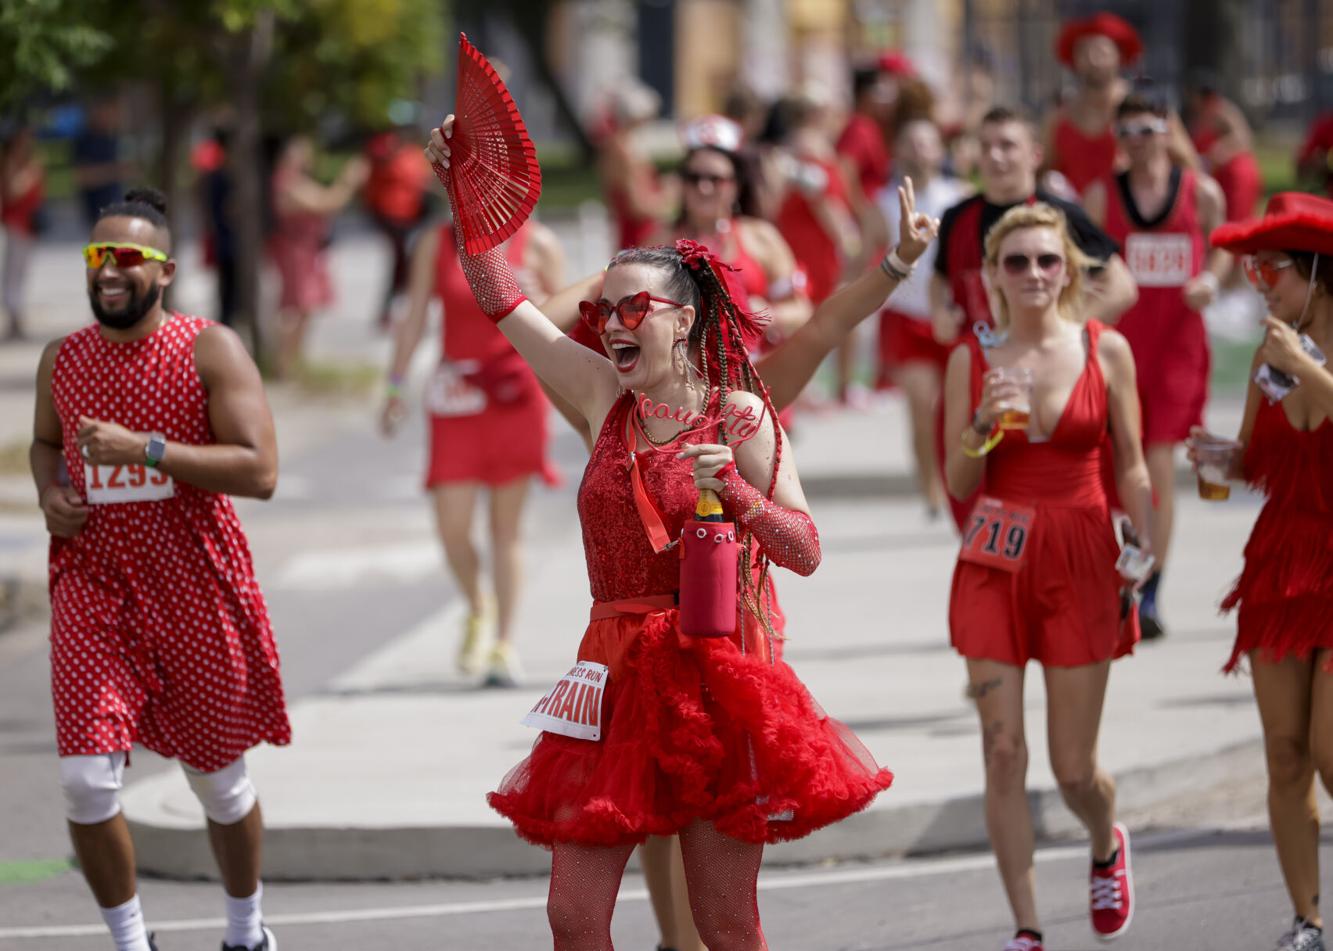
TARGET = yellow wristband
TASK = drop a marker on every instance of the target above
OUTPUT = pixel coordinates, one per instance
(986, 447)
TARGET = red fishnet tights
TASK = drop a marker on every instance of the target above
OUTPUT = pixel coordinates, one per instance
(721, 873)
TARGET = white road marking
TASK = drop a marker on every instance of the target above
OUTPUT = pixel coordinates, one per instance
(777, 881)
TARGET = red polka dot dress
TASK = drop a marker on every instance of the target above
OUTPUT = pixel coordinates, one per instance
(159, 632)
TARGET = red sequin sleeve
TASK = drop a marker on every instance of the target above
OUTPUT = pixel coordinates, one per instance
(788, 537)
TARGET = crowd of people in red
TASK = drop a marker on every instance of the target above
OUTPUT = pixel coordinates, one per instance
(1046, 329)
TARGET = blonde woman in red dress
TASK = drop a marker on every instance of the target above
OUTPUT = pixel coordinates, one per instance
(711, 738)
(1036, 578)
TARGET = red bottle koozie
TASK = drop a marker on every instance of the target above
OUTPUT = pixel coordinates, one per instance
(708, 579)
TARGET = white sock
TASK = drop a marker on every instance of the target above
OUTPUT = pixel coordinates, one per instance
(243, 920)
(127, 927)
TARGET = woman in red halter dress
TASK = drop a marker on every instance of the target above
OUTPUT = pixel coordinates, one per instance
(1284, 595)
(1036, 577)
(487, 433)
(711, 738)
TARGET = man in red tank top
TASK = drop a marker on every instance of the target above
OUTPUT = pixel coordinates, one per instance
(146, 423)
(1080, 143)
(1162, 214)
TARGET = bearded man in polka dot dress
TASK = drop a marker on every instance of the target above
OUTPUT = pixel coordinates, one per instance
(147, 422)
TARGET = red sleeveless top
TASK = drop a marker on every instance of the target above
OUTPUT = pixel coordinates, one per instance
(621, 560)
(748, 280)
(1066, 469)
(1162, 253)
(1081, 158)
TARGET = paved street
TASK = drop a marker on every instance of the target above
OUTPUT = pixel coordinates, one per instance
(367, 620)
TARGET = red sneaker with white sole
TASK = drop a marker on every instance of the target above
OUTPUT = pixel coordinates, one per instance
(1111, 891)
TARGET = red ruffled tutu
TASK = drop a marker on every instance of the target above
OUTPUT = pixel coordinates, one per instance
(692, 729)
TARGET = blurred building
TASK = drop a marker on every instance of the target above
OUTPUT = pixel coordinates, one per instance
(1275, 56)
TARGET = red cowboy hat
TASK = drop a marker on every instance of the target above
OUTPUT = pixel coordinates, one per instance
(895, 63)
(1125, 37)
(1293, 221)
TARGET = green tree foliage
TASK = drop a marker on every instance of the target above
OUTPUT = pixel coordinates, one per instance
(44, 43)
(352, 58)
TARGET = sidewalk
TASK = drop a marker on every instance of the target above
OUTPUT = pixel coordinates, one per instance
(391, 761)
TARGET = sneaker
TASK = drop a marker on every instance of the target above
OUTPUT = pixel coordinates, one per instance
(270, 943)
(1303, 936)
(476, 644)
(1150, 623)
(504, 667)
(1111, 891)
(1023, 943)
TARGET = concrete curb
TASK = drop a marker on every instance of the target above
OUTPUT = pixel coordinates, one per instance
(174, 846)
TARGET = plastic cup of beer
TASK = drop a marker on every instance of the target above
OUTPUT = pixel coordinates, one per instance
(1215, 460)
(1021, 378)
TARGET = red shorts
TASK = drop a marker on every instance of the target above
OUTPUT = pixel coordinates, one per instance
(493, 447)
(906, 339)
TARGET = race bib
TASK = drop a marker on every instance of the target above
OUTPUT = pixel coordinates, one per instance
(997, 534)
(107, 485)
(450, 394)
(1160, 260)
(573, 707)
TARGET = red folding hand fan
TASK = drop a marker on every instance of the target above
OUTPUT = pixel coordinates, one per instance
(493, 177)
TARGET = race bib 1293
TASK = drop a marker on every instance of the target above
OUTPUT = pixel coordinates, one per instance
(107, 485)
(573, 707)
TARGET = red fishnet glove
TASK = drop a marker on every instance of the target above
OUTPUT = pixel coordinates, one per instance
(488, 274)
(491, 279)
(789, 538)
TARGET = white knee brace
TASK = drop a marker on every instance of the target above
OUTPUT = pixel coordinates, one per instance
(226, 795)
(91, 785)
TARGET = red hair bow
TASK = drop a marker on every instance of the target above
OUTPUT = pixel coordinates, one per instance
(698, 257)
(695, 255)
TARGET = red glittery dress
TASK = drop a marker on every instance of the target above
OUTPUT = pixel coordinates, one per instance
(159, 632)
(1285, 591)
(692, 728)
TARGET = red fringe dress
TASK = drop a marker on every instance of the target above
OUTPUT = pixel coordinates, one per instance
(1062, 606)
(1285, 590)
(709, 729)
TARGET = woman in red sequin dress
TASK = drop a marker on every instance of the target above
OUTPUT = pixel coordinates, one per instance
(711, 738)
(487, 431)
(1036, 577)
(1284, 595)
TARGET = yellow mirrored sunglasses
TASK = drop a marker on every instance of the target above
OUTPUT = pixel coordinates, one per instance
(124, 255)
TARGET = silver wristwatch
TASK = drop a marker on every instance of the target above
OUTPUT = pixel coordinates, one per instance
(155, 450)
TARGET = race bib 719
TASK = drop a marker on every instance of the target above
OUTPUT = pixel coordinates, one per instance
(108, 485)
(997, 534)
